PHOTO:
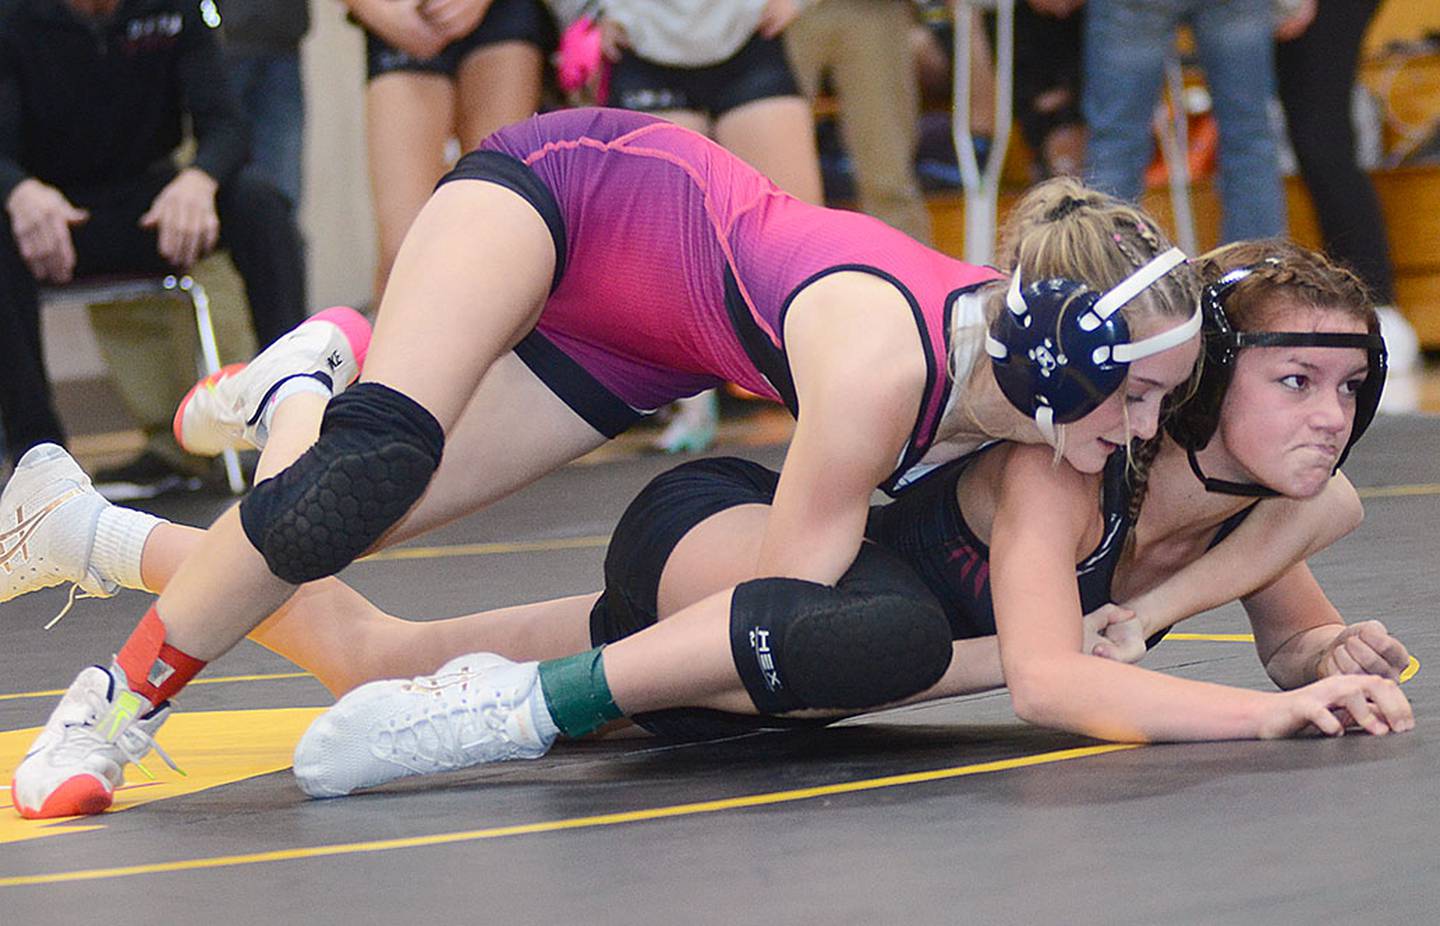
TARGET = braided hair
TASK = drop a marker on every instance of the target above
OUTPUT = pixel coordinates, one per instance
(1284, 268)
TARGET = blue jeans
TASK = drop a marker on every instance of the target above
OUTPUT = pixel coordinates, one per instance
(274, 102)
(1126, 44)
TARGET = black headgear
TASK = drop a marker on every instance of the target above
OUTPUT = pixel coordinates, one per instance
(1193, 423)
(1061, 349)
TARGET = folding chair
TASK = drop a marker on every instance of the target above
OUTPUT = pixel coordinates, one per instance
(120, 288)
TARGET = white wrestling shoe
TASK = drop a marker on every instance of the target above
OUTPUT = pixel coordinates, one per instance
(79, 759)
(223, 411)
(49, 514)
(475, 709)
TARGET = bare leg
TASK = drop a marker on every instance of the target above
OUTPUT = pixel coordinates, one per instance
(513, 429)
(776, 136)
(685, 659)
(498, 85)
(333, 632)
(408, 118)
(686, 118)
(478, 260)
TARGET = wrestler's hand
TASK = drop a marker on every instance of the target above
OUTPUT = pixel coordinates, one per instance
(1365, 648)
(454, 19)
(183, 216)
(776, 17)
(40, 219)
(1375, 705)
(1113, 632)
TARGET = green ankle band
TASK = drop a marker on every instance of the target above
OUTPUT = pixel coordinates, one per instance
(577, 694)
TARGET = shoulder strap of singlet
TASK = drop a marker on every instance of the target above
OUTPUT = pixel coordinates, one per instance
(1114, 512)
(935, 400)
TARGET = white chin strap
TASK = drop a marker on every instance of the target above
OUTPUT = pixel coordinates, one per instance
(1045, 421)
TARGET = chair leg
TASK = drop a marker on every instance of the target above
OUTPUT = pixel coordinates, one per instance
(209, 360)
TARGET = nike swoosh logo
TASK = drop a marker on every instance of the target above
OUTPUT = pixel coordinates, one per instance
(13, 540)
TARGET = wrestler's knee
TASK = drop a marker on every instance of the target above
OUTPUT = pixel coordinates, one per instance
(375, 456)
(799, 645)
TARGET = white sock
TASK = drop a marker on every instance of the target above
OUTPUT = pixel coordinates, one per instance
(295, 385)
(540, 715)
(119, 543)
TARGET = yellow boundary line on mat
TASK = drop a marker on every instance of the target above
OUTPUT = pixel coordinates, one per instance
(489, 549)
(574, 823)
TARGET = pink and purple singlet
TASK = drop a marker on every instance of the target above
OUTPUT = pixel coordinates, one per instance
(676, 262)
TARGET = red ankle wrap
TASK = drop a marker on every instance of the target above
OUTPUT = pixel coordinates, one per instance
(154, 669)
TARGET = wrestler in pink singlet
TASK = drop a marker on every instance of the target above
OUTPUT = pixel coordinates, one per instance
(677, 261)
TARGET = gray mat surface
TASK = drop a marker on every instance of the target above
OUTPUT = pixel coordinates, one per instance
(836, 826)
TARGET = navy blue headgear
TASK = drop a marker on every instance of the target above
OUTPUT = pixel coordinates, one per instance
(1193, 423)
(1061, 349)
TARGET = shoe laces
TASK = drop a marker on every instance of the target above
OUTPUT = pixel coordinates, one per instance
(127, 738)
(455, 716)
(76, 594)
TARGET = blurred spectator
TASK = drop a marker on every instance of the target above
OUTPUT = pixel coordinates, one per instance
(93, 94)
(262, 45)
(1316, 60)
(1126, 45)
(437, 70)
(1048, 38)
(865, 47)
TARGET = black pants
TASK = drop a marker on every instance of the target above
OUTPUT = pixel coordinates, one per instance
(257, 227)
(1316, 74)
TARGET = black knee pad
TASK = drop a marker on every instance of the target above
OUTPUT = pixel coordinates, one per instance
(800, 645)
(375, 456)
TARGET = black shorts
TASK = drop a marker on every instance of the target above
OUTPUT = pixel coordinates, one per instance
(665, 511)
(758, 71)
(506, 21)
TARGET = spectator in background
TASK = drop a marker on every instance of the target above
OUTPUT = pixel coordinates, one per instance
(262, 44)
(1316, 61)
(1048, 39)
(1126, 44)
(437, 70)
(865, 46)
(92, 99)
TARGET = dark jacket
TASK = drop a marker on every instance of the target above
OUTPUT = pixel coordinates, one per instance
(86, 103)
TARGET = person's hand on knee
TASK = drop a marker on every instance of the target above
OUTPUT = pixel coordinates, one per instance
(40, 219)
(184, 217)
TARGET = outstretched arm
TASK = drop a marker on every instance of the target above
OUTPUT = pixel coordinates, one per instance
(1041, 519)
(1277, 535)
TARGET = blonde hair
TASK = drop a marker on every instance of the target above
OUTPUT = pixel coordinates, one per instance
(1062, 228)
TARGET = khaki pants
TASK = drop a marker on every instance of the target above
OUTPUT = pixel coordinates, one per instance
(150, 345)
(865, 46)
